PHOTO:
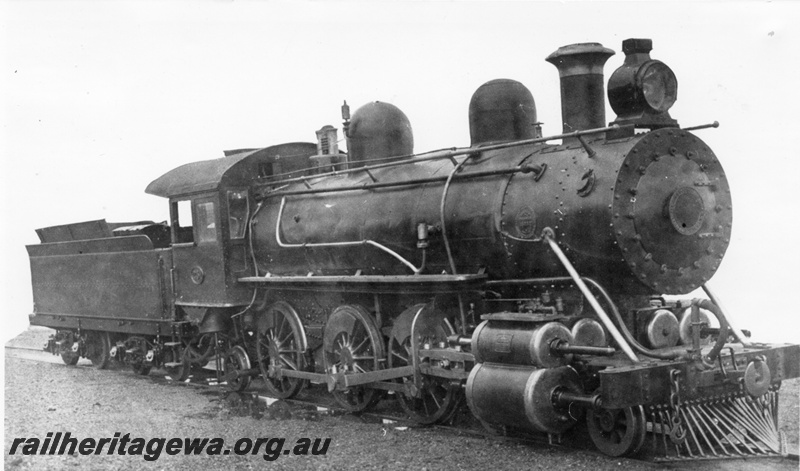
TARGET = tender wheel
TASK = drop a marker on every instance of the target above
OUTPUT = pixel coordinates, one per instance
(178, 372)
(98, 347)
(617, 432)
(352, 344)
(280, 340)
(70, 358)
(236, 359)
(439, 398)
(142, 368)
(137, 349)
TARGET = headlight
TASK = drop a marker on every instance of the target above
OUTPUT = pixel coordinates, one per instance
(658, 85)
(642, 90)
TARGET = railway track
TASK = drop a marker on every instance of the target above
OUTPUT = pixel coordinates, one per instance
(315, 401)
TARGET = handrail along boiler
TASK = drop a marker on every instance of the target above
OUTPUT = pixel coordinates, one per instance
(525, 276)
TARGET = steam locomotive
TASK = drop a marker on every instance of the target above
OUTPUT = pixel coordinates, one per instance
(527, 274)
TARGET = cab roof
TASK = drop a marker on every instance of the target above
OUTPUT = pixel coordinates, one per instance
(233, 170)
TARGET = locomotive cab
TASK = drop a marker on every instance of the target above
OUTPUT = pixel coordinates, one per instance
(210, 208)
(200, 262)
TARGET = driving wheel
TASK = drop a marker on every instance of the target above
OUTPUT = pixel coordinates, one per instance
(280, 339)
(617, 432)
(352, 344)
(438, 398)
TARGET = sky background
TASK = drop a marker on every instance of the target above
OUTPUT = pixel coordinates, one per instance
(100, 98)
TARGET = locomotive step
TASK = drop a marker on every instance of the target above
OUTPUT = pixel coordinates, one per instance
(173, 364)
(172, 344)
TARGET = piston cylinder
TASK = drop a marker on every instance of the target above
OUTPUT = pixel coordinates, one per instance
(589, 332)
(520, 396)
(520, 343)
(660, 329)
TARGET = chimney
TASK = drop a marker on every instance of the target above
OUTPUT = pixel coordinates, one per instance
(580, 67)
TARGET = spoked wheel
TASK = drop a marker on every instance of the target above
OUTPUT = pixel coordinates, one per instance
(68, 355)
(175, 365)
(139, 362)
(236, 359)
(439, 398)
(98, 348)
(281, 343)
(617, 432)
(352, 344)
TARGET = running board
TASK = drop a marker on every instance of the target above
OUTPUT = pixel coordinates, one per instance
(373, 283)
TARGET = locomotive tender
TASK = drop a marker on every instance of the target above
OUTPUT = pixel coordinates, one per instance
(523, 275)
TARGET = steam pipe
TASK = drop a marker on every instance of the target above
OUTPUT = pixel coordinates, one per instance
(449, 153)
(723, 328)
(418, 181)
(548, 237)
(714, 299)
(442, 215)
(391, 252)
(612, 307)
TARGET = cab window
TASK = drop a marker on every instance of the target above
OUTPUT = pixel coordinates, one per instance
(182, 231)
(238, 209)
(205, 221)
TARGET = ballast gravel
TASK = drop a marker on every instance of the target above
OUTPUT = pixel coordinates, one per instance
(89, 403)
